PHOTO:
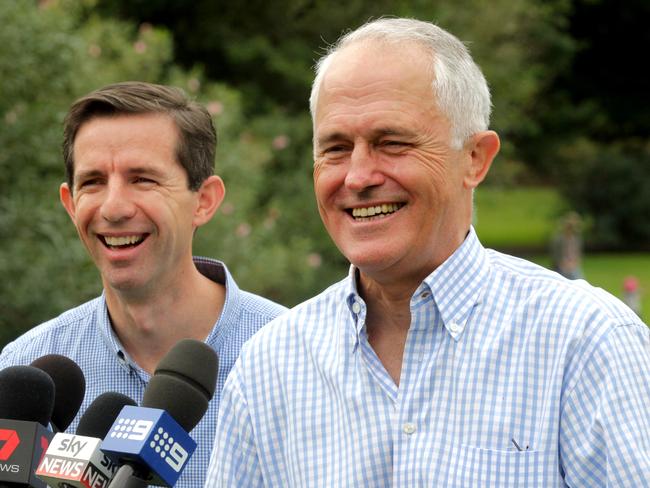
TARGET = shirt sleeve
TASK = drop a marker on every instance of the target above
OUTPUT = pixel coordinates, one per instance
(234, 461)
(605, 423)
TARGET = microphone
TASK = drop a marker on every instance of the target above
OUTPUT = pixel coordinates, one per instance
(69, 387)
(151, 442)
(26, 405)
(75, 460)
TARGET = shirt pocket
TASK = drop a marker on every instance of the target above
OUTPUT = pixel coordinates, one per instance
(478, 467)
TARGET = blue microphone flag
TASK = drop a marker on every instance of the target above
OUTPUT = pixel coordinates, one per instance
(152, 438)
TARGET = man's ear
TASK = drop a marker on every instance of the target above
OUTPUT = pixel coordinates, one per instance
(65, 195)
(484, 146)
(210, 195)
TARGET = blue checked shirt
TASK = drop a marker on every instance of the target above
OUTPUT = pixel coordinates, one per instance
(512, 376)
(84, 334)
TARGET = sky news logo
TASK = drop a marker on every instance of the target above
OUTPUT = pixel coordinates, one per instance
(60, 469)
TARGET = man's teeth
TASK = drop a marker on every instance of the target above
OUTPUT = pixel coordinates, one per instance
(122, 240)
(383, 209)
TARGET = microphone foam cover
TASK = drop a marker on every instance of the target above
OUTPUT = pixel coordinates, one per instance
(178, 398)
(101, 413)
(184, 382)
(26, 393)
(70, 387)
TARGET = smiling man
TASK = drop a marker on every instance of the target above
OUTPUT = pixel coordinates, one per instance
(139, 162)
(436, 362)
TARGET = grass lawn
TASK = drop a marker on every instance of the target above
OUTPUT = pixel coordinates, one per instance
(516, 218)
(526, 219)
(608, 271)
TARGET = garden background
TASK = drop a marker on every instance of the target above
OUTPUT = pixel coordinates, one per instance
(570, 104)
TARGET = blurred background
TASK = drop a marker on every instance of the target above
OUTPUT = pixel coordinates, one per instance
(571, 104)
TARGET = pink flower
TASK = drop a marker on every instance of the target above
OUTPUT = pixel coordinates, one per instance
(280, 142)
(227, 208)
(215, 107)
(94, 50)
(243, 230)
(140, 47)
(314, 260)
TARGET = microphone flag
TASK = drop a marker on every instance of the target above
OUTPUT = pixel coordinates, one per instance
(77, 461)
(22, 445)
(150, 437)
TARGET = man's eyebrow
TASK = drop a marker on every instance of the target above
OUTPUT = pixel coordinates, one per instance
(149, 170)
(84, 175)
(331, 137)
(392, 131)
(374, 134)
(138, 170)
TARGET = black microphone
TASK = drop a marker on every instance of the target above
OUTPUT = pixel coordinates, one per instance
(75, 460)
(70, 387)
(26, 405)
(151, 442)
(101, 413)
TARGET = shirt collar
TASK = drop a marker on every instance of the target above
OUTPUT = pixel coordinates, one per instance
(457, 286)
(211, 268)
(108, 334)
(218, 272)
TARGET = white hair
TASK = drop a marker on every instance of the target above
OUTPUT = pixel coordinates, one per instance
(458, 85)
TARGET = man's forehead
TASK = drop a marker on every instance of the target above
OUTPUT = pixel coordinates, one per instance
(365, 67)
(374, 52)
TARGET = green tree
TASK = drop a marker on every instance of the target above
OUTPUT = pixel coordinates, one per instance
(57, 51)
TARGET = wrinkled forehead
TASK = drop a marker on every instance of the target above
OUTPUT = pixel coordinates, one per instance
(369, 63)
(374, 70)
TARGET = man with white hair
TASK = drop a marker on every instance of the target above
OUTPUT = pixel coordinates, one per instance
(436, 362)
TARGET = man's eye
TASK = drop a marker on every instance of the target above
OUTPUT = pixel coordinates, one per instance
(334, 149)
(395, 143)
(142, 179)
(90, 182)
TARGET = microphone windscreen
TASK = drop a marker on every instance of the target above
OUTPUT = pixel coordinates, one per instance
(26, 393)
(178, 398)
(101, 413)
(70, 387)
(184, 382)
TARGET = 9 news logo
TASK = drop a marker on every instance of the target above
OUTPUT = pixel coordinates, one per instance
(131, 429)
(172, 452)
(162, 443)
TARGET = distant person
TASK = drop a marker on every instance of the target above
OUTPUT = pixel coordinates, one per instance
(566, 248)
(435, 362)
(632, 294)
(139, 161)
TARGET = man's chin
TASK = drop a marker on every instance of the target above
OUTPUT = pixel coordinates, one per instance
(124, 283)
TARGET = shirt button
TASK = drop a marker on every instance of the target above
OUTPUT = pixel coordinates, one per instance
(454, 327)
(356, 308)
(408, 428)
(425, 294)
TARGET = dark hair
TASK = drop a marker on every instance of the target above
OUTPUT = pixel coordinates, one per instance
(197, 139)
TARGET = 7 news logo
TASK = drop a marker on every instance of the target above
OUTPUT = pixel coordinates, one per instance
(9, 440)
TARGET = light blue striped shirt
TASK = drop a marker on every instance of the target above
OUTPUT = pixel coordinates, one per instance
(512, 376)
(85, 335)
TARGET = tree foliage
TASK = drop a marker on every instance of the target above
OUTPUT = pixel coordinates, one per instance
(250, 63)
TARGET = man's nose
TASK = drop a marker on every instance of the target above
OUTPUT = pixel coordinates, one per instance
(118, 203)
(364, 171)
